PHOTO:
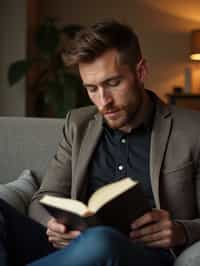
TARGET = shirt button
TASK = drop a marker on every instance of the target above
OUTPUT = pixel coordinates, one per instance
(120, 167)
(123, 140)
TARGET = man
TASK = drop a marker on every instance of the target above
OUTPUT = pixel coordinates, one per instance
(128, 132)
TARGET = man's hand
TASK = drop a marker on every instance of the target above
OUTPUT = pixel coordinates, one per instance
(58, 234)
(156, 229)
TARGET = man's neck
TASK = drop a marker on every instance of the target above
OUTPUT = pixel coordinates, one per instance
(140, 116)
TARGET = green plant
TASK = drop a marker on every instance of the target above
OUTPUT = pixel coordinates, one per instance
(55, 86)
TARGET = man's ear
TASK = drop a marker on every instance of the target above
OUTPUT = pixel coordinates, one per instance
(141, 70)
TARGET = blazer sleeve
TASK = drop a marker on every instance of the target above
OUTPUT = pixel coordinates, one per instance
(57, 180)
(192, 227)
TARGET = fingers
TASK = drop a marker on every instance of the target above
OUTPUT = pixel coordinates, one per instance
(159, 239)
(60, 245)
(53, 236)
(157, 229)
(61, 240)
(58, 235)
(154, 228)
(150, 217)
(54, 226)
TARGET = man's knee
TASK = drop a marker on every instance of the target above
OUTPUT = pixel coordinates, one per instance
(95, 246)
(104, 240)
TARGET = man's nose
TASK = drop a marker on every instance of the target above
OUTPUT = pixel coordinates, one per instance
(105, 98)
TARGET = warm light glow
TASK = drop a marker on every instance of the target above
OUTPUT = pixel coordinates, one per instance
(195, 57)
(195, 45)
(188, 10)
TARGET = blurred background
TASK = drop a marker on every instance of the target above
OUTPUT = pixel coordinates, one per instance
(164, 28)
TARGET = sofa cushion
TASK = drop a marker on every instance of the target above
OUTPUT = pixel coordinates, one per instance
(190, 256)
(19, 192)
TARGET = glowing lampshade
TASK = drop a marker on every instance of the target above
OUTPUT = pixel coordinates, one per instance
(195, 45)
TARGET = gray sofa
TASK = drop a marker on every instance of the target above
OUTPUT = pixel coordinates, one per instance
(26, 143)
(29, 143)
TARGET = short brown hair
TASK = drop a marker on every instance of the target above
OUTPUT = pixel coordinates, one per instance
(91, 42)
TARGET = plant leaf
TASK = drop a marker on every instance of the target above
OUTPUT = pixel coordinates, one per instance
(47, 38)
(18, 70)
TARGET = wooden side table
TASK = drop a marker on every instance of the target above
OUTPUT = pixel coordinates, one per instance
(191, 101)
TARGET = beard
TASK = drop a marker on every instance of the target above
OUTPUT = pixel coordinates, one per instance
(118, 117)
(117, 120)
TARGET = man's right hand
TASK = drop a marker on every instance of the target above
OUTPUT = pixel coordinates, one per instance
(58, 234)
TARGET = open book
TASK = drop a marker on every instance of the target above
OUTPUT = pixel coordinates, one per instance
(117, 204)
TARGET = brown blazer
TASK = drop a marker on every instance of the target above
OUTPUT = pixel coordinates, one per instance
(174, 163)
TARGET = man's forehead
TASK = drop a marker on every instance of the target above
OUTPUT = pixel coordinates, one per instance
(110, 56)
(102, 68)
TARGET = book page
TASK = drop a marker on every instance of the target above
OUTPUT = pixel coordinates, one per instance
(109, 192)
(71, 205)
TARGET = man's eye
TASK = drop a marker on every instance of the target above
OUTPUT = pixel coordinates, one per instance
(113, 82)
(91, 89)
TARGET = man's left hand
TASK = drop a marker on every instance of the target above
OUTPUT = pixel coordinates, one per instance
(157, 229)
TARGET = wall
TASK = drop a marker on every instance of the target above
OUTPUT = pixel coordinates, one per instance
(12, 47)
(163, 29)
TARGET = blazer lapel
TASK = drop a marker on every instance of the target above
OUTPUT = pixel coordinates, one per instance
(159, 139)
(88, 145)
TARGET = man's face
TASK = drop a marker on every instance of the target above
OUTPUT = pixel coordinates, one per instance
(114, 88)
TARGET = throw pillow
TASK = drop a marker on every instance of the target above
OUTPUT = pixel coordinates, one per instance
(18, 193)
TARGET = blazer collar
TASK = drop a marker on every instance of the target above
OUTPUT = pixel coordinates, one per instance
(87, 148)
(159, 138)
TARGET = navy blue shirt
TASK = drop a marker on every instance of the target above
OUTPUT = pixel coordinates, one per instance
(119, 155)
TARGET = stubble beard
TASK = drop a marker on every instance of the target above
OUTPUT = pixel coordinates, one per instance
(126, 117)
(116, 123)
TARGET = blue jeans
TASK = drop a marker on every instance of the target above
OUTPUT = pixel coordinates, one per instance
(104, 246)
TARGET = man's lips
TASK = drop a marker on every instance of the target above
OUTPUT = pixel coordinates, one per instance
(111, 113)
